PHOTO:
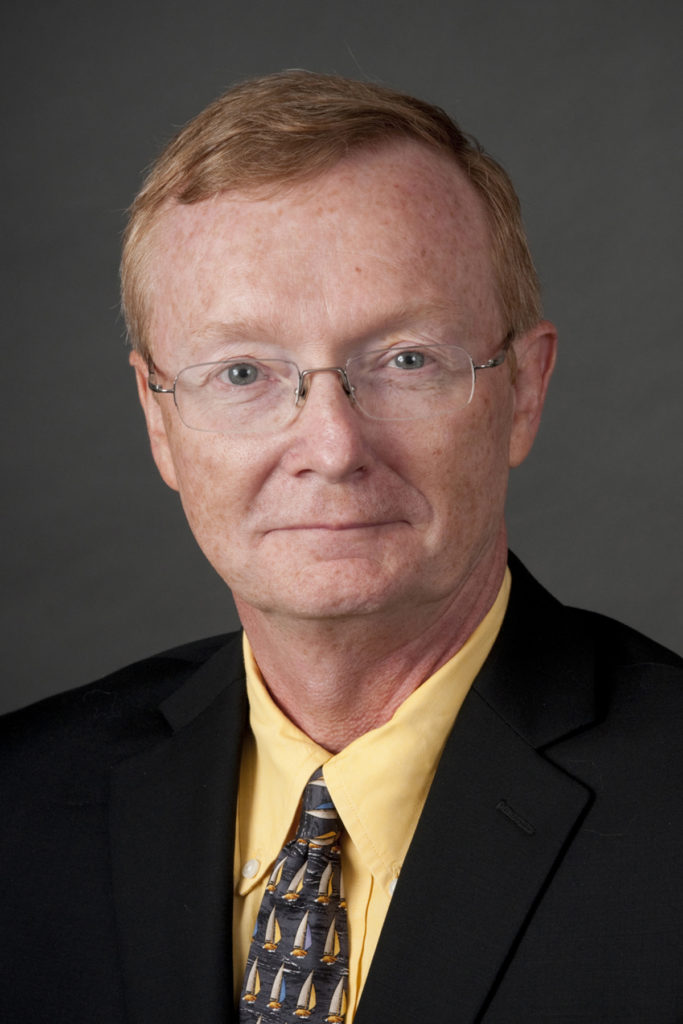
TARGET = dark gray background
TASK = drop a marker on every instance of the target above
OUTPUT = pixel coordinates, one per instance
(579, 99)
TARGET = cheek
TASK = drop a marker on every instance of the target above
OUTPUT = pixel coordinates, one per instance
(471, 469)
(217, 484)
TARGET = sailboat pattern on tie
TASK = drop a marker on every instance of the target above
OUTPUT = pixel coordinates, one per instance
(298, 960)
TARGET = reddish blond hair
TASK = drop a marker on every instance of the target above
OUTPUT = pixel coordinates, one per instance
(274, 131)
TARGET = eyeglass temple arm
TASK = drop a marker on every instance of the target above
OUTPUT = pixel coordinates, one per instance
(496, 361)
(156, 388)
(500, 358)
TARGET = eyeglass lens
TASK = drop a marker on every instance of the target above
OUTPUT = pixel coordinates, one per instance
(247, 395)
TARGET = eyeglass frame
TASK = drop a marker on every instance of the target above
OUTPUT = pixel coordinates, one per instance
(301, 392)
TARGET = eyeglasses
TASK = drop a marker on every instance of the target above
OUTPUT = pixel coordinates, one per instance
(247, 395)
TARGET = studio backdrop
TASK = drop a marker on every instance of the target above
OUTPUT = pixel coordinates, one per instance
(579, 99)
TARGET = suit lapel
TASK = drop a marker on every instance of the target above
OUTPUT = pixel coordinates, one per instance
(498, 820)
(172, 836)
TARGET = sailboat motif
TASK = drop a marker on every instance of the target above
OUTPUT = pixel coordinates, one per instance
(332, 944)
(275, 876)
(337, 1010)
(296, 883)
(325, 887)
(324, 839)
(302, 939)
(324, 812)
(278, 991)
(253, 985)
(342, 894)
(273, 933)
(306, 1001)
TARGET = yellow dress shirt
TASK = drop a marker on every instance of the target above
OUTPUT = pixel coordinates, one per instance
(379, 784)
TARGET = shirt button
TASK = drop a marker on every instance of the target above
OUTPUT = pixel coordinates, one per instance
(250, 868)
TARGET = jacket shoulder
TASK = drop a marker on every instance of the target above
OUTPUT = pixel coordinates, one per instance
(620, 644)
(81, 733)
(639, 690)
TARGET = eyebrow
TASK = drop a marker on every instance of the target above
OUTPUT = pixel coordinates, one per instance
(242, 327)
(267, 330)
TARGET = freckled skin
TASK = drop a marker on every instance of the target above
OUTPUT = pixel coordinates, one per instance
(316, 271)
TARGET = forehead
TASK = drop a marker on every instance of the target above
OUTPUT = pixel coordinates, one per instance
(397, 227)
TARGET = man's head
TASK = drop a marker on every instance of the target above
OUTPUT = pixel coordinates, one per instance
(387, 247)
(269, 133)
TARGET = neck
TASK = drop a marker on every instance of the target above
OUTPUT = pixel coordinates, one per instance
(338, 679)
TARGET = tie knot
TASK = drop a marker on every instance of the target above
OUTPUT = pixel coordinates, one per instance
(319, 818)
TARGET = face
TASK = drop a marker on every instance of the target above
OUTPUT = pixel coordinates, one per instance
(337, 514)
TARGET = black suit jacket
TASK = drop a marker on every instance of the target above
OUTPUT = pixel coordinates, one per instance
(543, 883)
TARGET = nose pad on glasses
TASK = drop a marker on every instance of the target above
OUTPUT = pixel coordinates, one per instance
(305, 384)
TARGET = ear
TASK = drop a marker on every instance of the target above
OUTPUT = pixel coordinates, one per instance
(156, 425)
(535, 354)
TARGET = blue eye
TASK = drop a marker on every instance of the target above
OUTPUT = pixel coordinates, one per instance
(409, 360)
(242, 373)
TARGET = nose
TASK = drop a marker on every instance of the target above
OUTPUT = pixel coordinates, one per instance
(328, 435)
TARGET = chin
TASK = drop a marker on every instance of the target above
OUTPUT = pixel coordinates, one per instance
(332, 591)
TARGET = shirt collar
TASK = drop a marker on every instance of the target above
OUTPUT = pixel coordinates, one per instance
(379, 783)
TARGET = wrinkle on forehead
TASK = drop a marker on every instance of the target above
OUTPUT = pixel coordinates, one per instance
(407, 314)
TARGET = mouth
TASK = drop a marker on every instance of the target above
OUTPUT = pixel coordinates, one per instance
(345, 526)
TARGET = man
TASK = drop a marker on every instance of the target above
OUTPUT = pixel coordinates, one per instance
(340, 353)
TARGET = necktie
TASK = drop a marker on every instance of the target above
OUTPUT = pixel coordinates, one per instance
(298, 960)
